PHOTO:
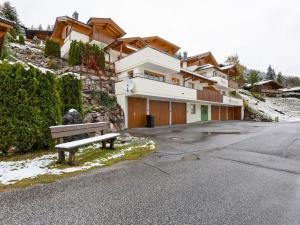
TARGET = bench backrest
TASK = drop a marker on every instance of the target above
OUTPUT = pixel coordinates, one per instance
(75, 129)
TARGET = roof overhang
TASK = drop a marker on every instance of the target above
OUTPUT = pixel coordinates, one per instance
(162, 44)
(195, 76)
(108, 24)
(230, 70)
(127, 45)
(207, 57)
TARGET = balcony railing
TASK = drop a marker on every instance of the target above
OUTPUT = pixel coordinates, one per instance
(208, 95)
(233, 84)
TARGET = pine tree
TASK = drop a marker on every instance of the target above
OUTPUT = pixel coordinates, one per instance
(40, 27)
(253, 77)
(9, 12)
(48, 27)
(271, 75)
(280, 78)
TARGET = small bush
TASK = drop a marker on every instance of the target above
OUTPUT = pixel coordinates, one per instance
(52, 63)
(21, 40)
(258, 96)
(52, 48)
(105, 100)
(36, 41)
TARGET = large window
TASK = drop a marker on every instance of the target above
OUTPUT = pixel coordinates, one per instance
(154, 76)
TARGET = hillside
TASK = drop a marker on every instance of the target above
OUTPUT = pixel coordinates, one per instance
(286, 109)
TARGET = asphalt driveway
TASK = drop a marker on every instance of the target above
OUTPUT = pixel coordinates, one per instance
(213, 173)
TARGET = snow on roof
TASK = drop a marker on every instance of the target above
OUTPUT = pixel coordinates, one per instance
(227, 67)
(290, 89)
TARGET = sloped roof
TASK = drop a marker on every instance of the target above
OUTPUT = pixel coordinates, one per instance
(109, 24)
(201, 56)
(162, 44)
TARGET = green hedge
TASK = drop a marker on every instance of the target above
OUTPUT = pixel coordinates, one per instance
(29, 105)
(31, 101)
(70, 89)
(52, 48)
(91, 55)
(75, 53)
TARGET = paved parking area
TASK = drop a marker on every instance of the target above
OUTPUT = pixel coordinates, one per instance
(213, 173)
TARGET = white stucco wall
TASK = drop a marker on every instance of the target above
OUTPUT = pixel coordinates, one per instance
(147, 55)
(72, 36)
(148, 87)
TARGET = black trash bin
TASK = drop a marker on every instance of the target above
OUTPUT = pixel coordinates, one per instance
(150, 121)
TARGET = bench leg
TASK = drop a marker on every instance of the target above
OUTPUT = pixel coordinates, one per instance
(103, 144)
(112, 143)
(61, 157)
(72, 157)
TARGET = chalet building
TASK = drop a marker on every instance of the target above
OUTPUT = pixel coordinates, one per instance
(151, 80)
(5, 26)
(267, 87)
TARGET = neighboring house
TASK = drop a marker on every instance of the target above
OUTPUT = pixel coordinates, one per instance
(40, 34)
(267, 87)
(5, 26)
(151, 80)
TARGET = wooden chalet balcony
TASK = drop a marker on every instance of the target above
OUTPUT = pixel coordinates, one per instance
(233, 84)
(210, 96)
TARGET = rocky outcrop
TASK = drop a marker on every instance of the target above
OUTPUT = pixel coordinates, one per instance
(255, 116)
(114, 117)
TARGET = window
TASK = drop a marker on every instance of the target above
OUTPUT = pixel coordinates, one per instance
(154, 76)
(193, 109)
(191, 85)
(130, 74)
(175, 80)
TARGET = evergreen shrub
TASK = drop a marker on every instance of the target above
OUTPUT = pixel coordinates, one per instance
(31, 102)
(52, 48)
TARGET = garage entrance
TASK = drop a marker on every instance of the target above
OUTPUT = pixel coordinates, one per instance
(137, 109)
(178, 113)
(161, 112)
(215, 112)
(223, 113)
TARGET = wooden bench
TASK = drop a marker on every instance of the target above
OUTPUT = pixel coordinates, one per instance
(63, 131)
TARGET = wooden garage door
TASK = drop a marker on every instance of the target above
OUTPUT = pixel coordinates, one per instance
(178, 113)
(230, 113)
(160, 110)
(214, 112)
(237, 113)
(137, 108)
(223, 113)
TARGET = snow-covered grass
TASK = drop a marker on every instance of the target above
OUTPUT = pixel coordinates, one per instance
(285, 109)
(90, 157)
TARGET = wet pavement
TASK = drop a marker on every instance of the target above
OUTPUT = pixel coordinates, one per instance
(212, 173)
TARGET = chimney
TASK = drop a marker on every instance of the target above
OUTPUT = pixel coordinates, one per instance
(185, 55)
(75, 15)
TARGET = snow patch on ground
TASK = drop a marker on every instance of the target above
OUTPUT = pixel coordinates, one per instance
(26, 47)
(13, 171)
(286, 109)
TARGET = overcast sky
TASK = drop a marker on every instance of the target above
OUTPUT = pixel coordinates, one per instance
(260, 32)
